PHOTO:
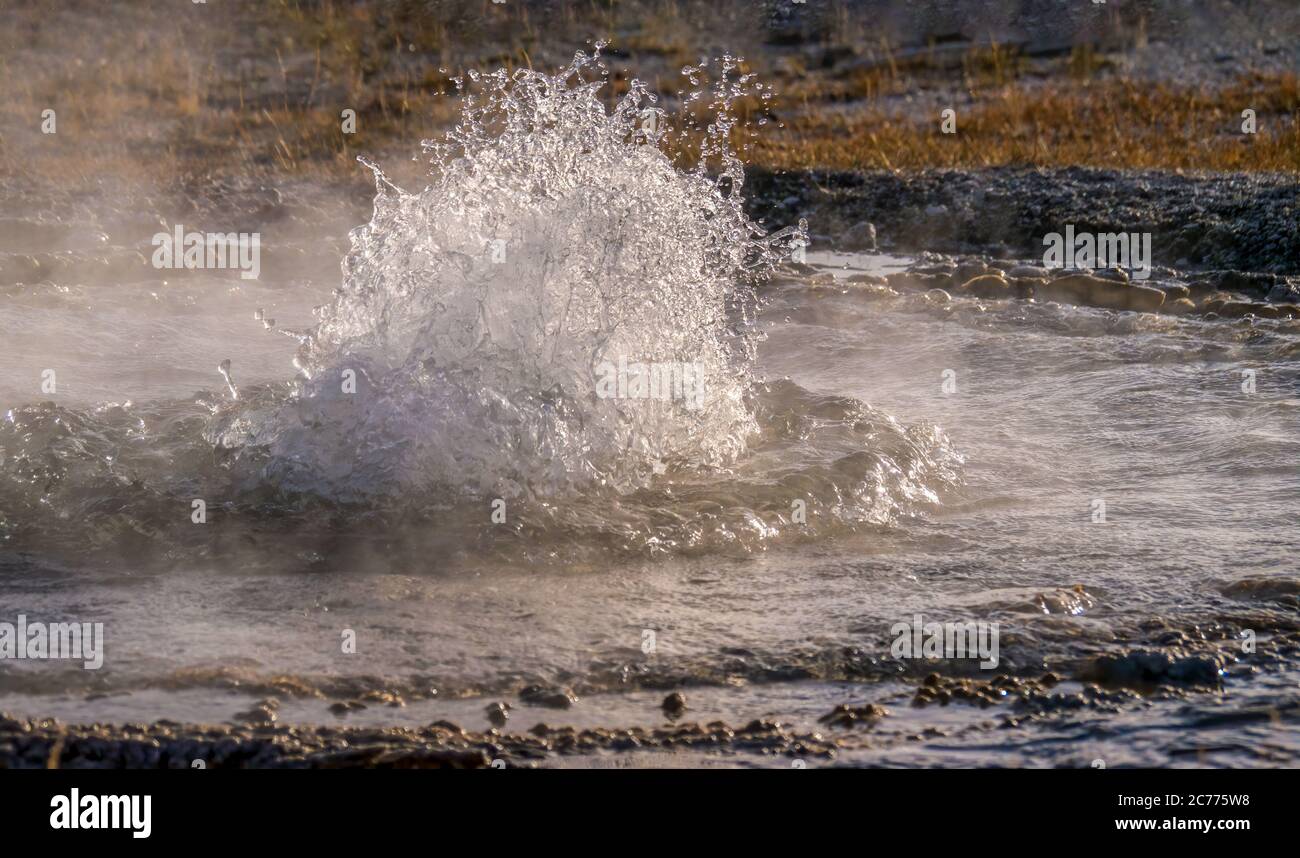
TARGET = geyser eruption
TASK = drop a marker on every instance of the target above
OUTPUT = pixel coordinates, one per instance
(470, 344)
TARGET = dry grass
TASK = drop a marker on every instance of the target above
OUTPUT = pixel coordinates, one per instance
(148, 97)
(1110, 122)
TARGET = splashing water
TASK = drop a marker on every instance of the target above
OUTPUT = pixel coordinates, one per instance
(483, 321)
(497, 334)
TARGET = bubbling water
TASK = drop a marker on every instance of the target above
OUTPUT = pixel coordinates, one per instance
(471, 343)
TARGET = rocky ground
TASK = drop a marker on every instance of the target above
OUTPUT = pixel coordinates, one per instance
(1186, 666)
(1202, 222)
(1223, 245)
(1211, 295)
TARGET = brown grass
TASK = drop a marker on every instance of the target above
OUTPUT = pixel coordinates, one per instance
(265, 98)
(1109, 122)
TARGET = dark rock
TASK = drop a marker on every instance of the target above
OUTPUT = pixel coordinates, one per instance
(498, 713)
(1156, 668)
(554, 698)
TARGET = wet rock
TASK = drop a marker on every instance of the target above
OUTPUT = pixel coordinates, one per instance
(430, 758)
(1087, 290)
(386, 697)
(1284, 293)
(1141, 668)
(938, 296)
(860, 236)
(674, 704)
(982, 692)
(1242, 309)
(1119, 275)
(1141, 299)
(1178, 307)
(498, 713)
(986, 286)
(1073, 601)
(845, 715)
(553, 698)
(1071, 289)
(1174, 291)
(262, 713)
(1281, 589)
(761, 725)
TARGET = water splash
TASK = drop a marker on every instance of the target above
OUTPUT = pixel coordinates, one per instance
(466, 356)
(472, 340)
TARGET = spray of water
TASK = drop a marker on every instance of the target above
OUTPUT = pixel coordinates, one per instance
(467, 356)
(472, 341)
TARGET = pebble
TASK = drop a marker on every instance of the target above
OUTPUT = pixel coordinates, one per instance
(498, 713)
